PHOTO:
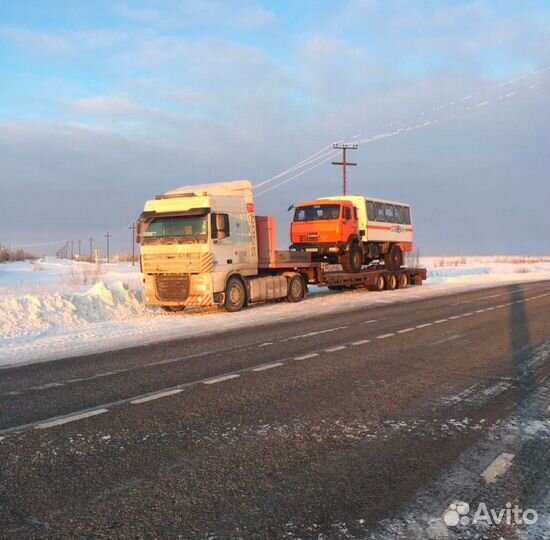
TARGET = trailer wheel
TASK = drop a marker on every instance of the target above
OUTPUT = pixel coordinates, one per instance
(352, 259)
(379, 283)
(235, 295)
(403, 282)
(296, 289)
(393, 260)
(391, 282)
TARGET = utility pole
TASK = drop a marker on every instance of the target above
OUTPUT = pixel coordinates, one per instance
(132, 227)
(108, 236)
(79, 248)
(72, 249)
(344, 163)
(91, 240)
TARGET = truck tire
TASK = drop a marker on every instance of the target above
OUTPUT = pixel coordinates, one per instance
(235, 295)
(393, 260)
(391, 282)
(296, 289)
(352, 259)
(403, 281)
(379, 283)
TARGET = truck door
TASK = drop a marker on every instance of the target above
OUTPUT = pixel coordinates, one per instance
(349, 221)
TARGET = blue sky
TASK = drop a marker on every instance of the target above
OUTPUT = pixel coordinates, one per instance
(103, 104)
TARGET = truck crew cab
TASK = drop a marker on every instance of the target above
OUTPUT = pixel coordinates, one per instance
(353, 231)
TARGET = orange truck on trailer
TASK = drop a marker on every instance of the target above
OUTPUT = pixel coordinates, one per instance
(353, 231)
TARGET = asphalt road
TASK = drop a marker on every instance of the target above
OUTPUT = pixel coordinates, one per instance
(366, 424)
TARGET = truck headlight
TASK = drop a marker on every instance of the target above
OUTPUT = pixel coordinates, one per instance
(201, 283)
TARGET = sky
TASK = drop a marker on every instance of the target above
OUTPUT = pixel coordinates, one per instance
(104, 104)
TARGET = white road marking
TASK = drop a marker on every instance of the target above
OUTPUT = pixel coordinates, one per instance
(221, 379)
(71, 418)
(498, 468)
(491, 296)
(306, 356)
(336, 348)
(309, 334)
(266, 344)
(500, 306)
(405, 330)
(158, 395)
(384, 336)
(439, 321)
(480, 310)
(453, 317)
(361, 342)
(490, 308)
(424, 325)
(268, 366)
(370, 321)
(467, 314)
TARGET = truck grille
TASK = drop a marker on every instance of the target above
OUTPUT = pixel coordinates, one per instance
(176, 263)
(311, 237)
(172, 288)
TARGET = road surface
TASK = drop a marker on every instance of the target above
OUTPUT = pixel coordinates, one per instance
(367, 424)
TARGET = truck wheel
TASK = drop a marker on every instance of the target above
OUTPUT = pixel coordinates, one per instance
(235, 295)
(403, 282)
(295, 289)
(380, 283)
(393, 260)
(391, 282)
(352, 259)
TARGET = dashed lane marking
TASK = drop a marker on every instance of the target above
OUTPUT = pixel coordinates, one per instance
(439, 321)
(498, 468)
(336, 348)
(384, 336)
(453, 317)
(266, 344)
(425, 325)
(361, 342)
(467, 314)
(371, 321)
(71, 418)
(480, 310)
(306, 356)
(405, 330)
(156, 395)
(223, 378)
(269, 366)
(316, 333)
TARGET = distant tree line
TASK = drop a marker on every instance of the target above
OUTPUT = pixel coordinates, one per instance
(7, 255)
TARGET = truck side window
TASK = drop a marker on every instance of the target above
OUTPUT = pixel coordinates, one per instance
(407, 215)
(389, 213)
(398, 214)
(370, 211)
(379, 212)
(219, 226)
(347, 213)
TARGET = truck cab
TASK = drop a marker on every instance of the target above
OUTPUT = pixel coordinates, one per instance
(328, 229)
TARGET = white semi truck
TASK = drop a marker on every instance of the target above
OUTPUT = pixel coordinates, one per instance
(203, 245)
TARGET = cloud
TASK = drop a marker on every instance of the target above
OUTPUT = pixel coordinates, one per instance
(109, 106)
(36, 41)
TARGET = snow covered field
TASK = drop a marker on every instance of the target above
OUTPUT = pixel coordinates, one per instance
(55, 309)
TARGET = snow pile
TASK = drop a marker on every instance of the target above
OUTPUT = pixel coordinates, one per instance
(32, 314)
(48, 312)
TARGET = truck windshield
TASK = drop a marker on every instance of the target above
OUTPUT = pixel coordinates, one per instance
(184, 229)
(317, 212)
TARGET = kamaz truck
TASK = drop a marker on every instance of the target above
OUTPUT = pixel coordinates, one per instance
(203, 245)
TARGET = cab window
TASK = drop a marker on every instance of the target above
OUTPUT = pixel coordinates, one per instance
(406, 215)
(347, 212)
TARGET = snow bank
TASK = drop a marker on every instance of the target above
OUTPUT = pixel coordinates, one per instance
(32, 314)
(47, 314)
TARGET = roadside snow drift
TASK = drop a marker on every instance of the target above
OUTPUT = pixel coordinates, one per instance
(57, 309)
